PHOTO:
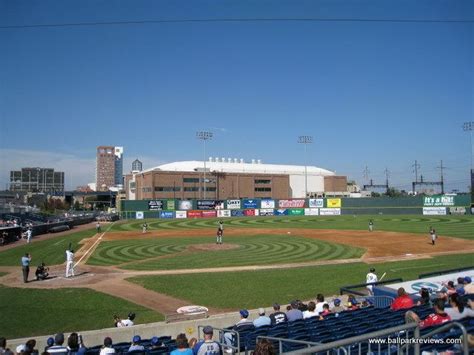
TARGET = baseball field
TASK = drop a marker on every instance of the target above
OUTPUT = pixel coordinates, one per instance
(177, 263)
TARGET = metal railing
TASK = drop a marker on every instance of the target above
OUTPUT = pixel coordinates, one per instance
(374, 343)
(281, 341)
(351, 288)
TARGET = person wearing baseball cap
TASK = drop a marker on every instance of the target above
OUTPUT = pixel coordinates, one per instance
(207, 345)
(242, 325)
(136, 344)
(58, 344)
(468, 285)
(262, 319)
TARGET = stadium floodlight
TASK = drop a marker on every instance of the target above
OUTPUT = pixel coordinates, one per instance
(305, 140)
(204, 136)
(469, 127)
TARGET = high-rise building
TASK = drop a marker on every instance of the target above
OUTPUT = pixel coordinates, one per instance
(37, 180)
(137, 166)
(109, 171)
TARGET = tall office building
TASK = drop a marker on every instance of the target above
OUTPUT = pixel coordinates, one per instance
(37, 180)
(137, 166)
(109, 171)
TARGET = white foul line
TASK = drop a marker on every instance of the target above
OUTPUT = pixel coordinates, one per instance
(93, 245)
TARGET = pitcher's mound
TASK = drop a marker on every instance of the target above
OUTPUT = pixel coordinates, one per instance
(206, 247)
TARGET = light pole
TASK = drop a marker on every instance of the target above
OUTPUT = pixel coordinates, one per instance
(469, 127)
(204, 136)
(305, 140)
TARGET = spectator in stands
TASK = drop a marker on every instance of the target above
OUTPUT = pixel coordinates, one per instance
(242, 325)
(301, 306)
(457, 310)
(277, 316)
(49, 343)
(264, 347)
(403, 301)
(20, 349)
(182, 346)
(352, 303)
(326, 310)
(311, 311)
(136, 344)
(468, 285)
(155, 343)
(262, 319)
(450, 289)
(438, 317)
(337, 306)
(424, 297)
(73, 343)
(30, 347)
(107, 348)
(58, 344)
(3, 345)
(294, 313)
(319, 303)
(207, 346)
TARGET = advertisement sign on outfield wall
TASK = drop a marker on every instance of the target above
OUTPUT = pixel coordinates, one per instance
(209, 214)
(281, 212)
(194, 214)
(329, 211)
(210, 204)
(237, 213)
(166, 214)
(266, 212)
(457, 210)
(311, 212)
(434, 211)
(250, 203)
(267, 203)
(233, 204)
(170, 205)
(438, 201)
(316, 203)
(296, 212)
(223, 213)
(250, 213)
(139, 215)
(333, 203)
(181, 214)
(155, 205)
(291, 203)
(185, 205)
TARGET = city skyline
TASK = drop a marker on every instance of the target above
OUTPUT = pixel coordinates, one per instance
(380, 85)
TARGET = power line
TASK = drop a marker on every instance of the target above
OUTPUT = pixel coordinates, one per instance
(211, 20)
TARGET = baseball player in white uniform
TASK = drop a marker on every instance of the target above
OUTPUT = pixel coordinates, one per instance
(371, 277)
(29, 234)
(69, 263)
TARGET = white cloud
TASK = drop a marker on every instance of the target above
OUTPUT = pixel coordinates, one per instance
(77, 170)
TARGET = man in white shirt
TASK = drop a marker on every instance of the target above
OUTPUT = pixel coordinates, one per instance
(107, 348)
(371, 278)
(69, 263)
(129, 321)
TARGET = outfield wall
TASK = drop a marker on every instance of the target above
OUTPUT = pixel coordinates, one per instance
(417, 205)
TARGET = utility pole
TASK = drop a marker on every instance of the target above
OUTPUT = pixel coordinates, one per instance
(387, 174)
(469, 127)
(441, 167)
(416, 166)
(366, 173)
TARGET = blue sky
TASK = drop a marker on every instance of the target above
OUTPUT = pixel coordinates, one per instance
(371, 93)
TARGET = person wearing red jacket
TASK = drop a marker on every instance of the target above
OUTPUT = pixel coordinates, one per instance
(436, 318)
(403, 300)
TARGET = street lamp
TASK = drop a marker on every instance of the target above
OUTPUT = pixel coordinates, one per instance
(305, 140)
(204, 136)
(469, 127)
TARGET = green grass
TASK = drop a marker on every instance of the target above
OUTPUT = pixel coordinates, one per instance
(51, 251)
(253, 289)
(31, 312)
(252, 250)
(454, 226)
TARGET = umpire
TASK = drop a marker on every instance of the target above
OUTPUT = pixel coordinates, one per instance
(25, 265)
